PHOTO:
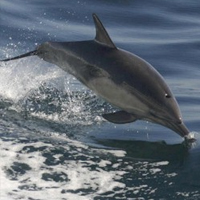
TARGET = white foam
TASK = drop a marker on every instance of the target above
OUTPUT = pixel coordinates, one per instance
(78, 173)
(192, 135)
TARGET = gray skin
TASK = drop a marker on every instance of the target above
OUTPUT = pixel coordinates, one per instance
(119, 77)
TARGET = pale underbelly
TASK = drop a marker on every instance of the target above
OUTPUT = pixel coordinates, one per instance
(118, 96)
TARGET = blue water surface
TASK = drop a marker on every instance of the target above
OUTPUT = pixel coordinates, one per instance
(54, 143)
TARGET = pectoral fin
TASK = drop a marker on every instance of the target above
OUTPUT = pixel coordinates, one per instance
(120, 117)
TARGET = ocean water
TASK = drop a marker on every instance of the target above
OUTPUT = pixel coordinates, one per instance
(54, 143)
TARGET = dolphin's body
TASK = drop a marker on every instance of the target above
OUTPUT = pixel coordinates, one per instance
(120, 77)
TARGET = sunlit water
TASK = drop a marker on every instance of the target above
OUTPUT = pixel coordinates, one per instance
(54, 143)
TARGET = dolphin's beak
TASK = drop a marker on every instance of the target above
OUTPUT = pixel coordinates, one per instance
(182, 130)
(176, 125)
(179, 128)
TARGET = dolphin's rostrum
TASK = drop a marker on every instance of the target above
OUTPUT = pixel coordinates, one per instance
(120, 77)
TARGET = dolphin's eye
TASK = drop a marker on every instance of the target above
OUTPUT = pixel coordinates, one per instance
(167, 95)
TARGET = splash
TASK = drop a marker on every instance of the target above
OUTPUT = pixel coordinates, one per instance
(69, 107)
(191, 137)
(20, 76)
(42, 90)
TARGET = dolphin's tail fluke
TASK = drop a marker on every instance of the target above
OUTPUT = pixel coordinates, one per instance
(32, 53)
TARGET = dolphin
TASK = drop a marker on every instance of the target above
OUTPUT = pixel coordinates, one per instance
(119, 77)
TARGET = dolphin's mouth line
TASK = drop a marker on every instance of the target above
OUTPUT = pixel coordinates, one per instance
(177, 126)
(181, 129)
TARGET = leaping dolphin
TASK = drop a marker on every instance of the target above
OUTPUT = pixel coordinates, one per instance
(118, 76)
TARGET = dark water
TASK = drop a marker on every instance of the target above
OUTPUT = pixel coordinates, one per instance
(53, 141)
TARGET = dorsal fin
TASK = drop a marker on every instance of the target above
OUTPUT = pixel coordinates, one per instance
(101, 33)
